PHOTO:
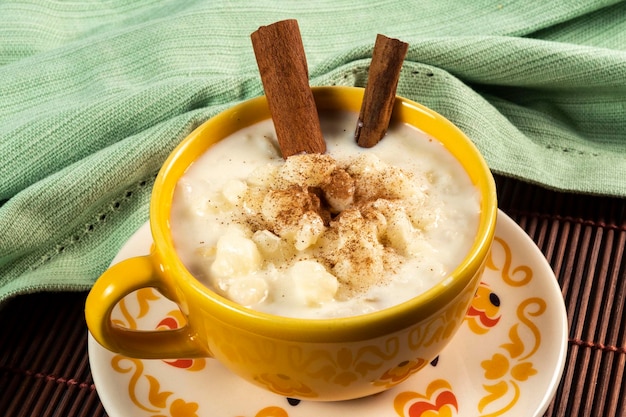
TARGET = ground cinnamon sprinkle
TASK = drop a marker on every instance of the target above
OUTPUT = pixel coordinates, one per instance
(343, 203)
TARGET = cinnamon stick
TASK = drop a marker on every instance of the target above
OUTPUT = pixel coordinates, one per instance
(380, 91)
(282, 64)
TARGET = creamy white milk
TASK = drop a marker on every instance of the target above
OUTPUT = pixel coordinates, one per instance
(346, 233)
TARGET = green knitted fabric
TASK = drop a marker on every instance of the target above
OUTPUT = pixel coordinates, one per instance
(93, 96)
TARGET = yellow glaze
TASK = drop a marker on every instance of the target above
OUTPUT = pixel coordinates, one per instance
(326, 359)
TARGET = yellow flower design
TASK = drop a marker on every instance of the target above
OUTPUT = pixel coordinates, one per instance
(401, 372)
(506, 370)
(181, 408)
(344, 378)
(496, 367)
(345, 366)
(272, 412)
(484, 312)
(285, 385)
(523, 371)
(439, 400)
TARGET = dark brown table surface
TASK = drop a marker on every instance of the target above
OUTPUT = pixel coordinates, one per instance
(44, 365)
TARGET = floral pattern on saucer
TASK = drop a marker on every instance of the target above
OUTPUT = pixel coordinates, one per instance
(506, 360)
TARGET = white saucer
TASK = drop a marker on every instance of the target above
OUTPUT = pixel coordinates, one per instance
(505, 361)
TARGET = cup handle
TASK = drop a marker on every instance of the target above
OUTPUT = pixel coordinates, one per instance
(117, 282)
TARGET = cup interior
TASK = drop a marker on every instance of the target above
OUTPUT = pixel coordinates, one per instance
(337, 329)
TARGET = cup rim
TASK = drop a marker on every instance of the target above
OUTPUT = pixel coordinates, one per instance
(342, 329)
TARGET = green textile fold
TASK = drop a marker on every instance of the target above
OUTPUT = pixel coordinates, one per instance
(94, 95)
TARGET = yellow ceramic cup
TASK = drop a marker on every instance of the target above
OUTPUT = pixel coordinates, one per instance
(315, 359)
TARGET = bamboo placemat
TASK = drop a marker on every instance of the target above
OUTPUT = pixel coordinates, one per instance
(44, 365)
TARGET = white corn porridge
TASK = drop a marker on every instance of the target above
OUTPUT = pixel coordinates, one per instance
(345, 233)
